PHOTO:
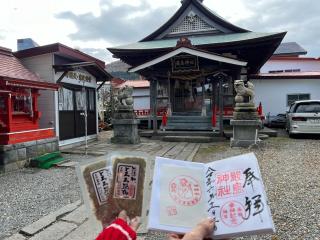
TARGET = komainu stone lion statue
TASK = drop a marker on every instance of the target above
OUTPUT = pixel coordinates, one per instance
(125, 96)
(244, 94)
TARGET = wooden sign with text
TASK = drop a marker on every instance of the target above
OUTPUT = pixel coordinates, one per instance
(185, 63)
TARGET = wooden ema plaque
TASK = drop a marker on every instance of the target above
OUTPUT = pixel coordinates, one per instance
(116, 183)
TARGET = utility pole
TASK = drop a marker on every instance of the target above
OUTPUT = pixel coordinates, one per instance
(84, 97)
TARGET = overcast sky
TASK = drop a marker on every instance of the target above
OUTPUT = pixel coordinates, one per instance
(94, 25)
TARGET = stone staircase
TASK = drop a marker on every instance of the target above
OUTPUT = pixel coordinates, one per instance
(189, 123)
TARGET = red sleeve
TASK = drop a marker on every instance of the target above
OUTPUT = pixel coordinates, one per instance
(118, 230)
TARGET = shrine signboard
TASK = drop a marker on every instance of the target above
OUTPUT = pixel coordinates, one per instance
(185, 63)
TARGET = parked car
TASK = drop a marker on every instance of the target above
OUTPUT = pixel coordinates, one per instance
(278, 121)
(303, 117)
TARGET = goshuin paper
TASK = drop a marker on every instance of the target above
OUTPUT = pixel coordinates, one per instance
(184, 186)
(115, 182)
(230, 190)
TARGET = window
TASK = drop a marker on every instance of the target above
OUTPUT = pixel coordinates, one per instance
(91, 100)
(192, 23)
(293, 70)
(80, 100)
(291, 98)
(22, 103)
(308, 107)
(286, 70)
(276, 71)
(65, 99)
(3, 106)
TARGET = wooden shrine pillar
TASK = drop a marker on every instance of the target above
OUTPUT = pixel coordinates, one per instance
(220, 77)
(9, 112)
(221, 105)
(153, 103)
(215, 99)
(203, 108)
(169, 111)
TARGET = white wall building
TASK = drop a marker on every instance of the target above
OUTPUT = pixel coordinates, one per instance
(285, 78)
(276, 93)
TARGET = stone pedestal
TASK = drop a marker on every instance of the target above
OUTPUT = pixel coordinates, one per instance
(245, 132)
(15, 156)
(125, 131)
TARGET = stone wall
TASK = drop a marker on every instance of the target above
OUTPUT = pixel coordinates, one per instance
(16, 156)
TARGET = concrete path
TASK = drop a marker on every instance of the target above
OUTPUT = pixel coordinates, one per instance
(71, 222)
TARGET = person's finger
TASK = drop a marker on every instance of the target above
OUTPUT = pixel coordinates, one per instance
(123, 215)
(205, 227)
(173, 236)
(135, 223)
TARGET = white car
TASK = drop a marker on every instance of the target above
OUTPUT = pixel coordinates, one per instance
(303, 117)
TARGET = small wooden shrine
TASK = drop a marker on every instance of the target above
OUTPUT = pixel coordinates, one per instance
(19, 92)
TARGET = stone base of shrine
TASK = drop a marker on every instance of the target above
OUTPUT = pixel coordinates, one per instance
(125, 131)
(15, 156)
(245, 133)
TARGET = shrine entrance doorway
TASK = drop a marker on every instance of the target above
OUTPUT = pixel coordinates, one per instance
(187, 97)
(190, 96)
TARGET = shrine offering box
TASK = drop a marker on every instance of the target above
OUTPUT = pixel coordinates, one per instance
(120, 180)
(230, 190)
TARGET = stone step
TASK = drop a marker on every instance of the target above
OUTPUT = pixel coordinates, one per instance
(192, 123)
(190, 127)
(149, 133)
(189, 118)
(193, 139)
(189, 121)
(186, 114)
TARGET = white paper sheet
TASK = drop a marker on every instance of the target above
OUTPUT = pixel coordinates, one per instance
(182, 194)
(236, 197)
(233, 190)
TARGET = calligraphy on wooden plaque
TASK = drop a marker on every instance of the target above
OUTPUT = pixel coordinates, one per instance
(185, 63)
(126, 181)
(102, 180)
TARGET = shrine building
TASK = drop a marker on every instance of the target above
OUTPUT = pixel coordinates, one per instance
(192, 61)
(73, 110)
(20, 133)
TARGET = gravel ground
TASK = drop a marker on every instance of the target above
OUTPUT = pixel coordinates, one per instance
(28, 194)
(290, 169)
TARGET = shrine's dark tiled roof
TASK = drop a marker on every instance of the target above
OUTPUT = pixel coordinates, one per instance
(290, 48)
(196, 41)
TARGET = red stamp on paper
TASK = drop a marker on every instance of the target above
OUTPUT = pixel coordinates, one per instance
(185, 190)
(232, 214)
(172, 211)
(229, 184)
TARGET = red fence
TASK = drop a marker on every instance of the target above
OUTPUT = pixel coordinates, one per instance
(147, 112)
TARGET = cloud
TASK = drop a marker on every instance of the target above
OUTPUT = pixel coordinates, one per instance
(122, 24)
(299, 18)
(117, 24)
(2, 34)
(99, 53)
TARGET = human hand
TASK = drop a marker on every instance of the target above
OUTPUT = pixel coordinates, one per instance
(202, 230)
(121, 228)
(134, 223)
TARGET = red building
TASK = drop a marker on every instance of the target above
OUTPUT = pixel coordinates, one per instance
(19, 114)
